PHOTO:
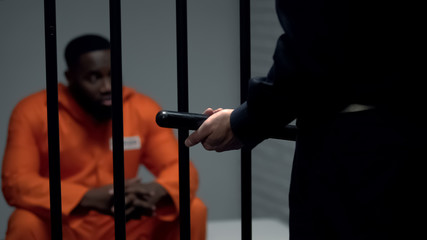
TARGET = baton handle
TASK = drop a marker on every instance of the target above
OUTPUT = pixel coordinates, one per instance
(192, 121)
(171, 119)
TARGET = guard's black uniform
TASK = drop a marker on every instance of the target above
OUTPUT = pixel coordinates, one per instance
(356, 175)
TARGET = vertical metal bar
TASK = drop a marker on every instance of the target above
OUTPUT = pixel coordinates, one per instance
(246, 158)
(184, 152)
(53, 119)
(117, 118)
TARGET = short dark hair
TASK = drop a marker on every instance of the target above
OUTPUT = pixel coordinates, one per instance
(82, 45)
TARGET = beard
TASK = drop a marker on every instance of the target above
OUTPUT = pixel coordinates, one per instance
(101, 113)
(94, 108)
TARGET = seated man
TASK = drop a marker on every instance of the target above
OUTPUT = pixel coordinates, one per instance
(86, 159)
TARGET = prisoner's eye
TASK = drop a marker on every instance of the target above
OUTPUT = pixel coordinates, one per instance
(93, 77)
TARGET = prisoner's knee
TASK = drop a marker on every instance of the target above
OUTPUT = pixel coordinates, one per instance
(198, 219)
(199, 211)
(24, 224)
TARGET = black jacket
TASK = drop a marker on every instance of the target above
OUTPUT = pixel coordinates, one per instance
(332, 54)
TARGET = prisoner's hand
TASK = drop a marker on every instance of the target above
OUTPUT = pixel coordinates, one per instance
(99, 199)
(142, 199)
(215, 133)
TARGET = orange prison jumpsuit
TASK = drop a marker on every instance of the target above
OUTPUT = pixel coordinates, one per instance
(86, 162)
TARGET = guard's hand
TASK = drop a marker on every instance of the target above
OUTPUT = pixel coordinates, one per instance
(215, 133)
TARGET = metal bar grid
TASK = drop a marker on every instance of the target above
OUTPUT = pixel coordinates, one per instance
(117, 112)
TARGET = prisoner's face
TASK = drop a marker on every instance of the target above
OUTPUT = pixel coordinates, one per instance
(91, 78)
(90, 83)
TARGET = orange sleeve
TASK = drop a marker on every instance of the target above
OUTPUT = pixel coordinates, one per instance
(161, 158)
(22, 184)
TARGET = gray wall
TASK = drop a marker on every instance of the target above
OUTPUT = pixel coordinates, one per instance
(149, 65)
(272, 159)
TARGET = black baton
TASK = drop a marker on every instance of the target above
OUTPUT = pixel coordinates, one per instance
(192, 121)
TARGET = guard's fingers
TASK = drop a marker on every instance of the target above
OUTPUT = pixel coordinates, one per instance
(200, 134)
(208, 111)
(211, 144)
(193, 139)
(208, 146)
(217, 110)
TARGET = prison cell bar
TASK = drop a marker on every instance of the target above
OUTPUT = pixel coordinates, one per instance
(184, 152)
(117, 113)
(246, 156)
(117, 118)
(53, 119)
(183, 121)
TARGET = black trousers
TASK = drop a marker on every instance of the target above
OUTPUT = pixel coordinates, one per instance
(359, 176)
